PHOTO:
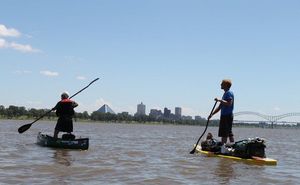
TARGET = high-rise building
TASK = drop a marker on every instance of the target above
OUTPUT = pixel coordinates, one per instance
(167, 112)
(141, 109)
(178, 112)
(198, 118)
(154, 113)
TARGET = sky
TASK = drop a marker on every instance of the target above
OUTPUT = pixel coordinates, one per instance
(164, 53)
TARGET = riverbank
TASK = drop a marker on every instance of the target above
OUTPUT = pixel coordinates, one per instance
(76, 120)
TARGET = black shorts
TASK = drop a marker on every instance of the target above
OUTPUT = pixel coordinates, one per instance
(225, 126)
(64, 125)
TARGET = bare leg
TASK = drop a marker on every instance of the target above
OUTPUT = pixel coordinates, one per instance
(231, 139)
(224, 140)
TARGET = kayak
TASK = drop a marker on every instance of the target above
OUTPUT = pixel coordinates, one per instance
(253, 160)
(49, 141)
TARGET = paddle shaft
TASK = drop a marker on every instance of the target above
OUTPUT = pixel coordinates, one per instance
(193, 151)
(69, 98)
(84, 88)
(27, 126)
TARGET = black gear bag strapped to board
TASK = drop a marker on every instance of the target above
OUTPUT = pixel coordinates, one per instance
(250, 147)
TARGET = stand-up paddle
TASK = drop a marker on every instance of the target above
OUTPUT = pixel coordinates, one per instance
(193, 151)
(27, 126)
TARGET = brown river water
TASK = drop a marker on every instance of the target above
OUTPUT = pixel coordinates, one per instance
(141, 154)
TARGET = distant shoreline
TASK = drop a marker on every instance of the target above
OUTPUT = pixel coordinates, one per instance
(151, 123)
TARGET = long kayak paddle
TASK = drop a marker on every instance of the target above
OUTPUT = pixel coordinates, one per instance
(27, 126)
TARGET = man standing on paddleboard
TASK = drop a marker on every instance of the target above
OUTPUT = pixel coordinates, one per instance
(65, 112)
(226, 106)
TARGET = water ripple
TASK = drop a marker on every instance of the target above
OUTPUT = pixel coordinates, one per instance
(140, 154)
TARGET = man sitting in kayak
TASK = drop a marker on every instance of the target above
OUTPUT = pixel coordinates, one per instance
(65, 112)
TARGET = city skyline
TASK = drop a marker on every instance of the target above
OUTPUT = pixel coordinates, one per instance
(163, 53)
(141, 110)
(167, 114)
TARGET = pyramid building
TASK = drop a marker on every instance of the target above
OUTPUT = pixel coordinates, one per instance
(105, 109)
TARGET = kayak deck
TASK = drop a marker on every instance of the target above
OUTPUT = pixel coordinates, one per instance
(253, 160)
(49, 141)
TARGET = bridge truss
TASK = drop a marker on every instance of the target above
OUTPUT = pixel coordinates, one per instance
(272, 119)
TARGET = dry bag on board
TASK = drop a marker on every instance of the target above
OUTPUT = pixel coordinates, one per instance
(250, 147)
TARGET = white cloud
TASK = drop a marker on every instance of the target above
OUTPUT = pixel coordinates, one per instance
(8, 32)
(19, 47)
(23, 48)
(101, 101)
(2, 43)
(49, 73)
(5, 32)
(81, 77)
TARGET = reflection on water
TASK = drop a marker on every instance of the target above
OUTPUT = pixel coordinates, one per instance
(140, 154)
(62, 157)
(224, 171)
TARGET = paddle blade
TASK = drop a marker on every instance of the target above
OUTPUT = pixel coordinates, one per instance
(193, 151)
(24, 128)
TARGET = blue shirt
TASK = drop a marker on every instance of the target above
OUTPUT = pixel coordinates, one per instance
(227, 110)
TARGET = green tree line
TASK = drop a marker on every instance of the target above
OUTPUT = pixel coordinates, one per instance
(15, 112)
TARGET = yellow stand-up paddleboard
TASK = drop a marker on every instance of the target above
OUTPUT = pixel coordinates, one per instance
(253, 160)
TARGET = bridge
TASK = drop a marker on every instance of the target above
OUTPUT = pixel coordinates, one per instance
(270, 118)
